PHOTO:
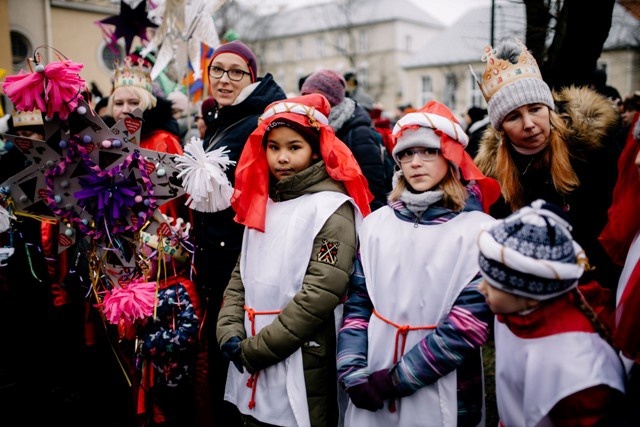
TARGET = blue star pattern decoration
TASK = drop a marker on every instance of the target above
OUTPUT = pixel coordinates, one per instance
(131, 22)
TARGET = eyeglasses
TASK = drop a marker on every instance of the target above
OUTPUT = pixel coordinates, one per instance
(234, 74)
(425, 154)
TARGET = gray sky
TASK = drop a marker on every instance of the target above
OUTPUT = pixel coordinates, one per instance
(448, 11)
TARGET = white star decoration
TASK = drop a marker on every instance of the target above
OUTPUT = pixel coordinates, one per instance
(185, 26)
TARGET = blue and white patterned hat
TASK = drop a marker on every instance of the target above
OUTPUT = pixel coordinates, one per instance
(531, 253)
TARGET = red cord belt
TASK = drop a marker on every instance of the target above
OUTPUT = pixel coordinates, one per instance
(252, 382)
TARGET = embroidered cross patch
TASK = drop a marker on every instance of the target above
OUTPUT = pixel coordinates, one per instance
(328, 252)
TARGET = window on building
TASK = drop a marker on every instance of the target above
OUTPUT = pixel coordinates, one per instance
(426, 90)
(340, 43)
(320, 47)
(408, 43)
(476, 95)
(109, 55)
(299, 50)
(363, 77)
(280, 77)
(363, 41)
(280, 52)
(450, 90)
(20, 49)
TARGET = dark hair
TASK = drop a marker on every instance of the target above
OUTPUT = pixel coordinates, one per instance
(476, 113)
(102, 102)
(631, 103)
(599, 77)
(350, 76)
(301, 81)
(310, 134)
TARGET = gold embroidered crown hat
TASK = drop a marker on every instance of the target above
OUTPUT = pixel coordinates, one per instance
(136, 74)
(511, 79)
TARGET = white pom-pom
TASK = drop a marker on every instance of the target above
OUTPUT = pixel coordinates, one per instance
(203, 177)
(5, 219)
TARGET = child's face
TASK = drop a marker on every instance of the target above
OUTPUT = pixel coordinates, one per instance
(288, 152)
(501, 302)
(423, 175)
(30, 134)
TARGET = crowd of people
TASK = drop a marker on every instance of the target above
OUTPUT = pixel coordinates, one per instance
(329, 288)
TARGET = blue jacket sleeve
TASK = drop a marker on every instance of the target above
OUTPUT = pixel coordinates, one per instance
(352, 337)
(462, 331)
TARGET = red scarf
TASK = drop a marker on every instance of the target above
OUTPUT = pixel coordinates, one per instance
(251, 193)
(624, 219)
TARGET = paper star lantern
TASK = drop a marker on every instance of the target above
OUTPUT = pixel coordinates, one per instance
(180, 35)
(92, 177)
(131, 22)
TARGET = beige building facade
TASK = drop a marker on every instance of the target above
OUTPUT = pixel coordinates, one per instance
(402, 55)
(373, 38)
(57, 28)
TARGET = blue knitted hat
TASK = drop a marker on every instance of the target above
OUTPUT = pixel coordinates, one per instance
(531, 253)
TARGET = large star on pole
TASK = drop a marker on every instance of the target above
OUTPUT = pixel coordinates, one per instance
(131, 22)
(184, 27)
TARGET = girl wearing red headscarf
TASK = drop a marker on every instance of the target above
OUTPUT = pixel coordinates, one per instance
(301, 195)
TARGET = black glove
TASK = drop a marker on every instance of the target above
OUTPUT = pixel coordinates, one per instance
(231, 351)
(383, 385)
(364, 396)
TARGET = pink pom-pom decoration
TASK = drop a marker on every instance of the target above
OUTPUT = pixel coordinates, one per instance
(129, 303)
(56, 90)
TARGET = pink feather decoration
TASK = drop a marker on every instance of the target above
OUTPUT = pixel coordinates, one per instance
(134, 301)
(55, 89)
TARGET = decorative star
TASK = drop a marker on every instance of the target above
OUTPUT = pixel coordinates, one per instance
(131, 22)
(180, 35)
(82, 157)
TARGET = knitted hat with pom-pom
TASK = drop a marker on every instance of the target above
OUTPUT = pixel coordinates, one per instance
(531, 253)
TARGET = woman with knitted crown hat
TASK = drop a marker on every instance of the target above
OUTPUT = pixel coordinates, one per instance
(556, 146)
(301, 195)
(132, 88)
(548, 340)
(414, 321)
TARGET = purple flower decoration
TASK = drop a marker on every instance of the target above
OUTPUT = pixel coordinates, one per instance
(119, 199)
(108, 197)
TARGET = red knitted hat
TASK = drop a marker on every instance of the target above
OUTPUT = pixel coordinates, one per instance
(243, 51)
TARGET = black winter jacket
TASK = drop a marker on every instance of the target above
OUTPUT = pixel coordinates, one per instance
(218, 238)
(358, 134)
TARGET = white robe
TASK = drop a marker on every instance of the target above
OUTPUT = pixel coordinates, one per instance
(633, 257)
(533, 374)
(272, 266)
(414, 275)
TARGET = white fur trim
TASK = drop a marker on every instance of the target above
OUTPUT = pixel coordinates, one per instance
(292, 107)
(517, 261)
(433, 121)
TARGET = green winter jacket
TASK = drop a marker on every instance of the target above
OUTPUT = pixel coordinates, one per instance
(307, 321)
